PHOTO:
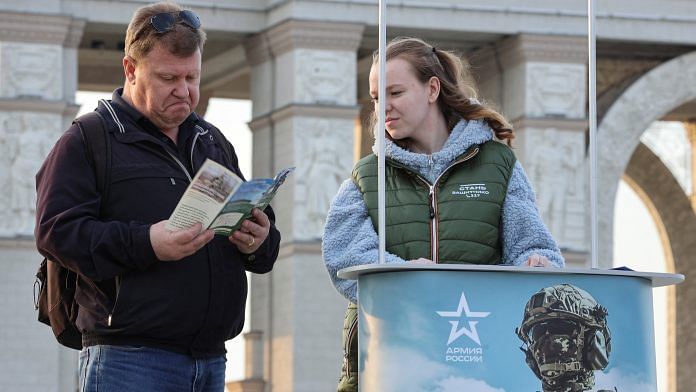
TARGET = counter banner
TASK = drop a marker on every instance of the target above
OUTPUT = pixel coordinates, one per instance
(446, 331)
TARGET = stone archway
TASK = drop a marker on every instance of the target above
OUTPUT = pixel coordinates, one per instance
(673, 209)
(649, 99)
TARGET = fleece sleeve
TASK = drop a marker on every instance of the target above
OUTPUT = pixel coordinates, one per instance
(523, 232)
(349, 238)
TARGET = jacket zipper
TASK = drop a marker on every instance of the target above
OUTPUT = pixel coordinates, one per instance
(109, 319)
(432, 196)
(200, 132)
(181, 165)
(118, 291)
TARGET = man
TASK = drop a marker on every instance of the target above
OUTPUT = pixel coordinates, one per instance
(156, 306)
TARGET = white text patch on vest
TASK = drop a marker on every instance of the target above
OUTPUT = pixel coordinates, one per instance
(471, 190)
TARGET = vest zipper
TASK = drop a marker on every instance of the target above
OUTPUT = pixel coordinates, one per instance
(434, 223)
(433, 205)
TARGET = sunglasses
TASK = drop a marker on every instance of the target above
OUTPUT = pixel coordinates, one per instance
(166, 21)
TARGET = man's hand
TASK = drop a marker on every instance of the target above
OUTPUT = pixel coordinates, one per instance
(253, 232)
(537, 261)
(175, 245)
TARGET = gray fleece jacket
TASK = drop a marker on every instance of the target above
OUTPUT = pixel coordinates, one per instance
(350, 239)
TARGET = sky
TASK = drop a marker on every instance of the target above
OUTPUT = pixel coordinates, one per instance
(632, 219)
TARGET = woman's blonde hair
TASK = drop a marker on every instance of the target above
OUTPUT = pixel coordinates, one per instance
(457, 97)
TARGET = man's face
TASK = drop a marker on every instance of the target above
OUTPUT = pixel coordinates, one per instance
(164, 87)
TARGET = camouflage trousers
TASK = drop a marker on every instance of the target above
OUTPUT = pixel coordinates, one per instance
(349, 370)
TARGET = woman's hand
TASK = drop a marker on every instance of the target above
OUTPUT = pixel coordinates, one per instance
(421, 261)
(537, 261)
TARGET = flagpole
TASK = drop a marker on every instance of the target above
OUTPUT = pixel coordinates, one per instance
(592, 68)
(381, 95)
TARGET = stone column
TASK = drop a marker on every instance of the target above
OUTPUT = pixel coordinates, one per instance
(540, 83)
(690, 128)
(303, 87)
(38, 79)
(253, 368)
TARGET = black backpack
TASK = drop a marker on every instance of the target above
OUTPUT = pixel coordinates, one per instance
(54, 288)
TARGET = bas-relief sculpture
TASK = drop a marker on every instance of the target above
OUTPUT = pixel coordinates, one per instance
(323, 164)
(25, 140)
(325, 77)
(555, 90)
(555, 166)
(30, 70)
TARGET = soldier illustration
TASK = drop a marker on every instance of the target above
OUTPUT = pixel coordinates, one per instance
(565, 338)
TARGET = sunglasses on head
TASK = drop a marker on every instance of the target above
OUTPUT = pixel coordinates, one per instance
(166, 21)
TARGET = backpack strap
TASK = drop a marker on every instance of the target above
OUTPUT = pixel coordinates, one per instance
(226, 146)
(95, 135)
(229, 153)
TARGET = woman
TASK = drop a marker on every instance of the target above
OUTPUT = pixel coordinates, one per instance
(453, 194)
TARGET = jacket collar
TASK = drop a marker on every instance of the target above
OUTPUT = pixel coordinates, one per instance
(143, 127)
(464, 135)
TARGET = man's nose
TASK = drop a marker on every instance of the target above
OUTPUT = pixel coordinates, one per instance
(181, 90)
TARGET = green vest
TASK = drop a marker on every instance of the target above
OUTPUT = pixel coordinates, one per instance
(455, 220)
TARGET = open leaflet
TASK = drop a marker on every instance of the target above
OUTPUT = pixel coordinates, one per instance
(221, 201)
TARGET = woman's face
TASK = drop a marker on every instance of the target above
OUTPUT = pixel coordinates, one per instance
(409, 103)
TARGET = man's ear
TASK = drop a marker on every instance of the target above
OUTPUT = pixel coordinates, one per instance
(433, 89)
(129, 69)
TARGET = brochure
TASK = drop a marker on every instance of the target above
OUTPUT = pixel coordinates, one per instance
(221, 201)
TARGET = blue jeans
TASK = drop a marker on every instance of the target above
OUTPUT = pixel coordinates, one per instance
(125, 368)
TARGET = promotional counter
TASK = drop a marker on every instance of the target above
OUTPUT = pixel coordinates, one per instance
(446, 328)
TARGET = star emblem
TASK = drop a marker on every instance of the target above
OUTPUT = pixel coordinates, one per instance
(456, 332)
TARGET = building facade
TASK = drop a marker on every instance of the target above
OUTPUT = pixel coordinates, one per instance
(304, 65)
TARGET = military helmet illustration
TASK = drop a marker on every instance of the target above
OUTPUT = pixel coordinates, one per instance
(565, 338)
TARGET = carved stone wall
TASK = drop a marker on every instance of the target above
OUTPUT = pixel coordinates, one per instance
(324, 166)
(323, 77)
(552, 90)
(38, 69)
(38, 79)
(25, 139)
(31, 71)
(305, 76)
(554, 162)
(543, 94)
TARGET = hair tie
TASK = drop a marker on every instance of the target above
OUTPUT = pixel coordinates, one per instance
(434, 49)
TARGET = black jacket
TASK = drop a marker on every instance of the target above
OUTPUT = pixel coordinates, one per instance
(127, 296)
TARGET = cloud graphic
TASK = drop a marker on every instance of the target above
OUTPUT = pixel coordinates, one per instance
(458, 384)
(624, 382)
(400, 369)
(405, 370)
